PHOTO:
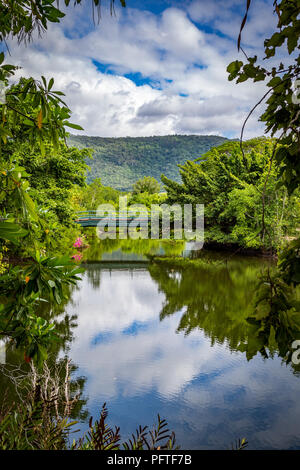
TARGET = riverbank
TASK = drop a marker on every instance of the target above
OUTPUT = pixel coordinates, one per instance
(232, 249)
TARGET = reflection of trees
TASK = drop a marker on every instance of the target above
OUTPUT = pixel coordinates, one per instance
(64, 327)
(94, 275)
(64, 323)
(214, 300)
(52, 384)
(218, 299)
(139, 247)
(273, 334)
(98, 247)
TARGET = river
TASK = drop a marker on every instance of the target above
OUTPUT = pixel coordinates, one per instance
(149, 338)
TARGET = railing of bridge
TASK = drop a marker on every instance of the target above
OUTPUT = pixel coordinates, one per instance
(122, 218)
(93, 214)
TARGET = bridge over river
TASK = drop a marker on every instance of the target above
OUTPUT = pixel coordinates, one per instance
(122, 219)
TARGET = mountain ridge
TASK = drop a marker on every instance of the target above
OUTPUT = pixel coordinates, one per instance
(120, 161)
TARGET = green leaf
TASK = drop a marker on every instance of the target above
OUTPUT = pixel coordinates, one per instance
(12, 232)
(242, 78)
(73, 126)
(234, 66)
(292, 42)
(274, 82)
(50, 85)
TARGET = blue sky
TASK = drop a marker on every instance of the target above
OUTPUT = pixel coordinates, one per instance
(154, 68)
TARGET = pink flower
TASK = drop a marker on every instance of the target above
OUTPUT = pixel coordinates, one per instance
(78, 243)
(77, 257)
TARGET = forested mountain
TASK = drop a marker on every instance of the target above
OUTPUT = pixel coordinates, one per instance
(119, 162)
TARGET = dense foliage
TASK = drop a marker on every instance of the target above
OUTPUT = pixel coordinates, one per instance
(148, 184)
(48, 182)
(50, 400)
(92, 195)
(282, 111)
(38, 212)
(22, 18)
(37, 174)
(239, 207)
(119, 162)
(281, 115)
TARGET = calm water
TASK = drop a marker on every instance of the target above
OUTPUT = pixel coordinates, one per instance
(153, 339)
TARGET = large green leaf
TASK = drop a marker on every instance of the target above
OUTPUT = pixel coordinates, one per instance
(12, 232)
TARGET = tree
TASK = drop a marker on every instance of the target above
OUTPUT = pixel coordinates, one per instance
(94, 194)
(20, 19)
(282, 113)
(32, 105)
(32, 111)
(276, 313)
(148, 184)
(230, 185)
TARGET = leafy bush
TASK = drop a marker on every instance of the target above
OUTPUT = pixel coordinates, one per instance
(243, 203)
(148, 184)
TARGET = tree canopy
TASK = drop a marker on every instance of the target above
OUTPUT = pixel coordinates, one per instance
(282, 115)
(37, 176)
(148, 184)
(239, 208)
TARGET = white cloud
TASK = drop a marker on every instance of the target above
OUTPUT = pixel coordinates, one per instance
(155, 358)
(209, 395)
(185, 66)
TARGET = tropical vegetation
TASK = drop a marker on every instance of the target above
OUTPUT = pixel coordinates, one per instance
(42, 182)
(251, 195)
(240, 207)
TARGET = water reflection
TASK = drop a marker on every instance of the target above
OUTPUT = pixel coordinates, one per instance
(221, 303)
(12, 364)
(217, 300)
(136, 250)
(120, 339)
(159, 339)
(150, 338)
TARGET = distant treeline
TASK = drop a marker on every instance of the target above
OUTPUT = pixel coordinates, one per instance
(120, 162)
